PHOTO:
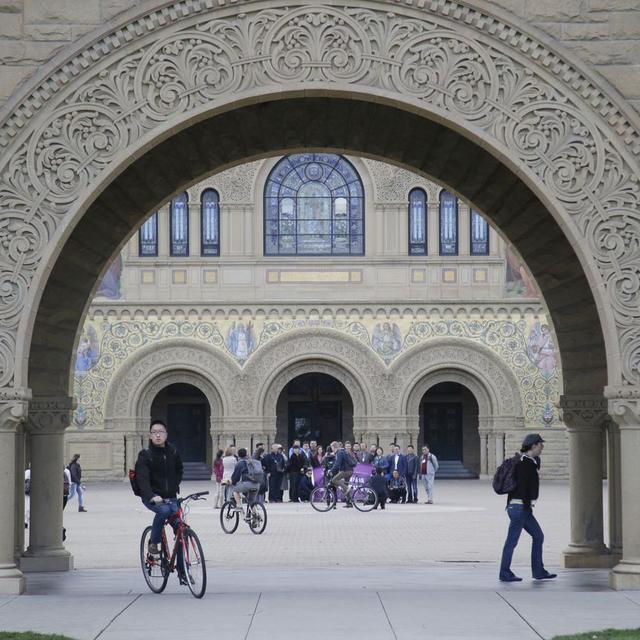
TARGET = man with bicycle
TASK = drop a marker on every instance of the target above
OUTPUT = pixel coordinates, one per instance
(342, 470)
(242, 482)
(159, 473)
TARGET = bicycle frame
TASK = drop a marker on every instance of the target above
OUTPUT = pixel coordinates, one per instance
(179, 533)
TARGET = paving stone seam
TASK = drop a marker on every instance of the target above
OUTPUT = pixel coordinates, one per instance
(117, 616)
(393, 631)
(253, 615)
(520, 615)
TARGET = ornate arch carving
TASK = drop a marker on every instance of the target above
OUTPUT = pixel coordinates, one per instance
(491, 381)
(321, 351)
(155, 366)
(97, 107)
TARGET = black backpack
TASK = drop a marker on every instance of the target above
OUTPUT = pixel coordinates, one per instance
(504, 479)
(133, 479)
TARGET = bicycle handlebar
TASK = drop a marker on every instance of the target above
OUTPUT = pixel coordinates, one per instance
(193, 496)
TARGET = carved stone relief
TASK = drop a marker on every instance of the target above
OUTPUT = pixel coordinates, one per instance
(554, 122)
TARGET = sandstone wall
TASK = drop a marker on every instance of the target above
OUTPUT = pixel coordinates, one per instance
(603, 34)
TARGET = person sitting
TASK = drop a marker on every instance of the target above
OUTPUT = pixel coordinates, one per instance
(241, 483)
(397, 488)
(305, 487)
(379, 484)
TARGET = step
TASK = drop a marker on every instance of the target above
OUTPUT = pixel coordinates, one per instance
(454, 470)
(196, 471)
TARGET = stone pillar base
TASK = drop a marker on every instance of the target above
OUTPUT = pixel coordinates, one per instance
(577, 557)
(625, 577)
(46, 561)
(12, 582)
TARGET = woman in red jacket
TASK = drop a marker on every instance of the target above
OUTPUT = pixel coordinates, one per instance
(218, 470)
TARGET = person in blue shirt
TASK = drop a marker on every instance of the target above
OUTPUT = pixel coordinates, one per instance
(342, 470)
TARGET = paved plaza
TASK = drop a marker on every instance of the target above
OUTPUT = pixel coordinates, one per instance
(412, 571)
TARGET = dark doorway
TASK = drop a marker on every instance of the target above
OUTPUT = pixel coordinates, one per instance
(449, 425)
(186, 411)
(314, 406)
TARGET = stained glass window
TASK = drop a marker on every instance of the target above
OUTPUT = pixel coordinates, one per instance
(313, 205)
(179, 225)
(210, 223)
(417, 223)
(448, 224)
(479, 235)
(148, 237)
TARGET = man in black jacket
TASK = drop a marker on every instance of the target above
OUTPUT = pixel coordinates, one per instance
(520, 504)
(159, 473)
(274, 463)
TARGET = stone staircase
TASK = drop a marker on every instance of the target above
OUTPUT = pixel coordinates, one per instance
(196, 471)
(453, 470)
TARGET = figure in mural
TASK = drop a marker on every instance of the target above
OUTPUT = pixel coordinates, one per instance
(88, 350)
(518, 281)
(387, 340)
(541, 349)
(240, 340)
(110, 287)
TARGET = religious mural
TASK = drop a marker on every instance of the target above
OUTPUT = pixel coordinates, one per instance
(519, 283)
(525, 346)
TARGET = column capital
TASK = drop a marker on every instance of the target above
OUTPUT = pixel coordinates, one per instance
(584, 412)
(13, 408)
(624, 405)
(50, 414)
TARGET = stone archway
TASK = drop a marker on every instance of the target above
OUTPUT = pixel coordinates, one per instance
(490, 381)
(526, 130)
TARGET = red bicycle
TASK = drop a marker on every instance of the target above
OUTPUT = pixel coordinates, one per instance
(187, 551)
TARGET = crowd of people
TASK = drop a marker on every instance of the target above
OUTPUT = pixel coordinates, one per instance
(395, 474)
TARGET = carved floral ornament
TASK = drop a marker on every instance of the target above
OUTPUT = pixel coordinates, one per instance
(192, 55)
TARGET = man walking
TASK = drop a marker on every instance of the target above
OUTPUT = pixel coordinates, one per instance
(520, 504)
(76, 481)
(428, 468)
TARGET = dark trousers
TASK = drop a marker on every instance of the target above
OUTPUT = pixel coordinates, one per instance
(275, 486)
(294, 481)
(412, 488)
(398, 495)
(382, 500)
(519, 519)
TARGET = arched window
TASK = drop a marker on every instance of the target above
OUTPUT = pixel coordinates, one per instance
(479, 235)
(210, 223)
(448, 224)
(148, 237)
(179, 225)
(417, 222)
(313, 205)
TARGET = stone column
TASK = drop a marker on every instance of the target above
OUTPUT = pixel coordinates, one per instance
(585, 418)
(48, 419)
(624, 408)
(20, 466)
(484, 427)
(13, 412)
(133, 443)
(615, 491)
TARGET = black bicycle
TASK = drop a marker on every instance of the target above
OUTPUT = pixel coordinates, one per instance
(255, 516)
(362, 496)
(187, 555)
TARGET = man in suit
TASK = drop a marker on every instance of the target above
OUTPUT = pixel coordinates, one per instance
(397, 462)
(297, 468)
(412, 475)
(274, 463)
(428, 467)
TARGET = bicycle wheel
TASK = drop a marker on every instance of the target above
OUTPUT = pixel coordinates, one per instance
(154, 570)
(229, 518)
(193, 563)
(323, 499)
(258, 521)
(364, 498)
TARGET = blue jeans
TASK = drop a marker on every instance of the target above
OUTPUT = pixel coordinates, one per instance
(521, 518)
(163, 510)
(412, 488)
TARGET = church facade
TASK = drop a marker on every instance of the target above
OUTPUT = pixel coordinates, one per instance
(317, 296)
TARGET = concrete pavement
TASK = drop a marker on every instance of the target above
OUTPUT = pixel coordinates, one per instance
(413, 571)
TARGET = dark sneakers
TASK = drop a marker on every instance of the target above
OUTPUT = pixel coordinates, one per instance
(511, 577)
(546, 576)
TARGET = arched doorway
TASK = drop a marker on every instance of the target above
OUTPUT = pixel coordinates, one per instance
(185, 410)
(529, 153)
(449, 425)
(314, 406)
